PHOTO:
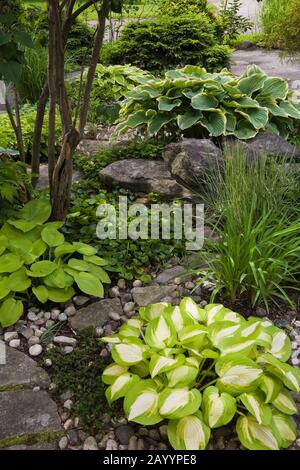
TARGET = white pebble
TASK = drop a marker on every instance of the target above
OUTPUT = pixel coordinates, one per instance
(48, 362)
(15, 343)
(121, 284)
(62, 317)
(295, 362)
(33, 340)
(99, 331)
(49, 323)
(31, 316)
(137, 283)
(47, 315)
(129, 307)
(36, 389)
(114, 316)
(38, 333)
(35, 350)
(64, 340)
(68, 349)
(9, 335)
(55, 314)
(70, 311)
(68, 404)
(90, 444)
(63, 443)
(68, 424)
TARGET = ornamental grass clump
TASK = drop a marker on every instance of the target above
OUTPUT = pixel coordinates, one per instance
(200, 369)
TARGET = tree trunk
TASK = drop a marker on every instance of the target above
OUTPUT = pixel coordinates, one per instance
(38, 127)
(15, 120)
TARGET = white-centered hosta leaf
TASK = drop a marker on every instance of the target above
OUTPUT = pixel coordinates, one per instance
(255, 436)
(141, 403)
(127, 331)
(188, 433)
(236, 345)
(182, 376)
(218, 408)
(129, 353)
(160, 333)
(174, 403)
(271, 386)
(289, 375)
(218, 313)
(192, 334)
(281, 347)
(189, 307)
(237, 374)
(121, 386)
(285, 403)
(180, 319)
(250, 328)
(112, 372)
(113, 339)
(160, 364)
(254, 402)
(152, 311)
(284, 428)
(218, 331)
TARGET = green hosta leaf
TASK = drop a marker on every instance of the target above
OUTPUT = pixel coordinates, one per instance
(158, 121)
(121, 386)
(193, 334)
(23, 225)
(257, 117)
(18, 281)
(175, 403)
(60, 295)
(254, 402)
(37, 211)
(41, 293)
(128, 353)
(84, 249)
(222, 330)
(281, 346)
(141, 369)
(215, 122)
(10, 312)
(284, 428)
(78, 264)
(4, 290)
(52, 236)
(152, 311)
(237, 374)
(188, 433)
(89, 284)
(160, 364)
(10, 263)
(244, 130)
(290, 110)
(136, 119)
(160, 333)
(189, 307)
(276, 88)
(141, 403)
(64, 249)
(252, 83)
(38, 248)
(3, 243)
(182, 375)
(270, 386)
(99, 273)
(218, 408)
(94, 259)
(58, 278)
(167, 104)
(188, 119)
(112, 372)
(204, 102)
(41, 268)
(285, 403)
(255, 436)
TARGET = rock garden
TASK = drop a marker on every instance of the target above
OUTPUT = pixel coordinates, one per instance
(114, 336)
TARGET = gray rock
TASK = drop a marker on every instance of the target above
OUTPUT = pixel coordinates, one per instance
(70, 311)
(169, 274)
(63, 443)
(81, 300)
(129, 307)
(96, 314)
(145, 176)
(137, 283)
(62, 317)
(123, 433)
(64, 340)
(28, 415)
(9, 335)
(144, 296)
(111, 445)
(73, 437)
(243, 45)
(90, 444)
(192, 159)
(271, 145)
(22, 371)
(35, 350)
(15, 343)
(27, 333)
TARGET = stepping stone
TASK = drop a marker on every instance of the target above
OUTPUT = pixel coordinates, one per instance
(20, 371)
(144, 296)
(96, 314)
(28, 417)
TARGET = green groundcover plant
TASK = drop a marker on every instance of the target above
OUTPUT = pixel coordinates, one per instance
(202, 368)
(215, 104)
(35, 261)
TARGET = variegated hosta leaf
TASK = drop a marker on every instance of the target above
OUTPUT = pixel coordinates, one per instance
(152, 311)
(285, 403)
(129, 331)
(289, 375)
(120, 386)
(281, 347)
(189, 307)
(160, 364)
(182, 376)
(179, 318)
(237, 345)
(141, 403)
(218, 409)
(112, 372)
(113, 339)
(237, 374)
(221, 330)
(249, 328)
(209, 353)
(255, 436)
(130, 352)
(160, 333)
(217, 312)
(141, 369)
(188, 433)
(254, 402)
(136, 322)
(179, 402)
(271, 386)
(285, 429)
(194, 334)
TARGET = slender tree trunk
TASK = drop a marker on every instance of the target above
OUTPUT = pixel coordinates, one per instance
(38, 127)
(52, 48)
(15, 120)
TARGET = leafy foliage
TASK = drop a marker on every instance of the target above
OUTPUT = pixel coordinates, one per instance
(36, 260)
(182, 7)
(167, 356)
(33, 74)
(233, 23)
(211, 104)
(168, 42)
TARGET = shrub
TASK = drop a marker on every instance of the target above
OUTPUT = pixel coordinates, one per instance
(109, 87)
(182, 7)
(257, 220)
(211, 104)
(164, 43)
(36, 261)
(33, 74)
(199, 368)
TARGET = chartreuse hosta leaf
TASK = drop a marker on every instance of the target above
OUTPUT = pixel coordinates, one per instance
(189, 307)
(237, 374)
(189, 433)
(222, 330)
(218, 408)
(130, 352)
(141, 403)
(284, 428)
(289, 375)
(160, 364)
(127, 331)
(255, 436)
(193, 334)
(254, 402)
(183, 375)
(112, 372)
(285, 403)
(271, 386)
(175, 403)
(160, 333)
(281, 347)
(179, 318)
(10, 312)
(152, 311)
(121, 386)
(217, 312)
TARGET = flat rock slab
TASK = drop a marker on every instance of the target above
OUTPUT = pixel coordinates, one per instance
(169, 274)
(144, 296)
(96, 314)
(20, 371)
(28, 417)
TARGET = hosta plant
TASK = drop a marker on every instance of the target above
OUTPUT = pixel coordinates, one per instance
(202, 368)
(37, 263)
(215, 104)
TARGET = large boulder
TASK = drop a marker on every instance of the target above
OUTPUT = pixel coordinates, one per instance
(272, 145)
(144, 176)
(192, 159)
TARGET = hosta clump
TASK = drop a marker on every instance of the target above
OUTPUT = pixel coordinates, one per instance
(202, 368)
(215, 104)
(36, 262)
